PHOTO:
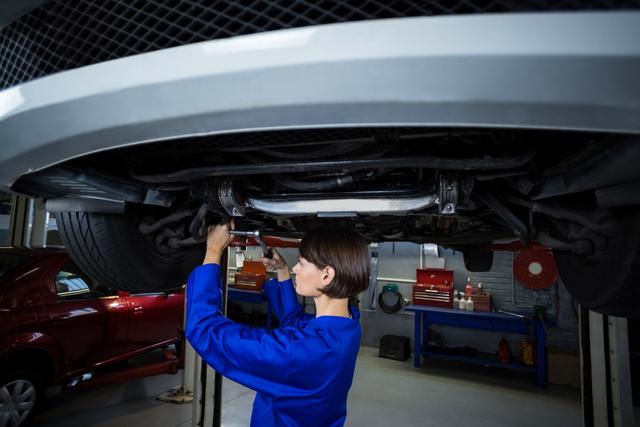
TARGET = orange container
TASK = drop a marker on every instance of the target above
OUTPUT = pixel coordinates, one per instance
(252, 276)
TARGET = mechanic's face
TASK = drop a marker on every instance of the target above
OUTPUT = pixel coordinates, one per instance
(309, 278)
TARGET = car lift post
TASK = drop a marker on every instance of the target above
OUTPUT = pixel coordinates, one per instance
(184, 392)
(207, 383)
(606, 393)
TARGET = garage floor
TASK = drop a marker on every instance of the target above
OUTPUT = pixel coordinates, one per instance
(385, 392)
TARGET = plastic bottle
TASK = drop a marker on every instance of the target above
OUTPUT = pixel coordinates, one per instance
(480, 288)
(462, 304)
(469, 288)
(526, 352)
(469, 304)
(456, 300)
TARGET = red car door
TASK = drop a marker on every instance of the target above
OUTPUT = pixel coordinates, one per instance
(155, 317)
(90, 328)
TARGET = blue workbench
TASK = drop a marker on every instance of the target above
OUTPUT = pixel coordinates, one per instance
(242, 295)
(483, 320)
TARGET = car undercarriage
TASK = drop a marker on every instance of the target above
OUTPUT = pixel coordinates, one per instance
(444, 186)
(495, 143)
(460, 188)
(140, 126)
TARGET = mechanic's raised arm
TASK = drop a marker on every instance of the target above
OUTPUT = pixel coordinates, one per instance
(281, 294)
(250, 356)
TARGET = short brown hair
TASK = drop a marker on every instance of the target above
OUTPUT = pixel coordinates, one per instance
(346, 251)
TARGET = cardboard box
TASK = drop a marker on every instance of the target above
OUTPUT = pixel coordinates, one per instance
(480, 302)
(563, 367)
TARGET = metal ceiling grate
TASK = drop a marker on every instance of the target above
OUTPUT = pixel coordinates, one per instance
(64, 34)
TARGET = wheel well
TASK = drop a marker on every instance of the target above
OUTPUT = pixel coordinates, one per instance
(36, 359)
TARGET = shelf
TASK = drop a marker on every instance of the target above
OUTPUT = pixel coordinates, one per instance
(483, 359)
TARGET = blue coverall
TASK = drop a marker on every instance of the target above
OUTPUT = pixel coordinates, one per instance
(301, 371)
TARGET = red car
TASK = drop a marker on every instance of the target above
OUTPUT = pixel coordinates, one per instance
(56, 324)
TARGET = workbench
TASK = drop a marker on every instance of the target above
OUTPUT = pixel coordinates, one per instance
(425, 316)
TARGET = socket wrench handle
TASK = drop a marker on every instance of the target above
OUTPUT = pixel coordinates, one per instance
(257, 236)
(265, 250)
(245, 233)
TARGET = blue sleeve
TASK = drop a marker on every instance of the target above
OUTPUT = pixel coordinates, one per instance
(284, 303)
(272, 292)
(250, 356)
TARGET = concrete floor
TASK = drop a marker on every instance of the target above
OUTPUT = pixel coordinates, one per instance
(384, 393)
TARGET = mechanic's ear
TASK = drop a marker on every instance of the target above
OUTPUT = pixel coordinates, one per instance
(328, 273)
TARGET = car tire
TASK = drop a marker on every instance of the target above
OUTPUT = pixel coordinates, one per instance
(476, 259)
(29, 386)
(608, 283)
(110, 249)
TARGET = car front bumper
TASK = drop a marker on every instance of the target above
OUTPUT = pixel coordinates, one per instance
(565, 71)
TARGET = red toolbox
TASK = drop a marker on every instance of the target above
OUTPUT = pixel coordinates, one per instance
(434, 287)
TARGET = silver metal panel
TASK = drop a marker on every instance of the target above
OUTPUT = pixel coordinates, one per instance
(560, 71)
(191, 359)
(583, 359)
(39, 219)
(28, 223)
(598, 369)
(19, 221)
(621, 395)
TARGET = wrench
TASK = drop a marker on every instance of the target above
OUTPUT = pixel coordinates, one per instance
(257, 236)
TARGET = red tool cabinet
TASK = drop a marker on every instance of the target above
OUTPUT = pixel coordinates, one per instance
(434, 287)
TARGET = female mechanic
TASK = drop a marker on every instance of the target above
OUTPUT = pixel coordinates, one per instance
(303, 370)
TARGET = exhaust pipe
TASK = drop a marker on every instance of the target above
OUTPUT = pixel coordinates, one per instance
(343, 207)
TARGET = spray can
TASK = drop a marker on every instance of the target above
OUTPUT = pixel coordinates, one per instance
(504, 352)
(469, 288)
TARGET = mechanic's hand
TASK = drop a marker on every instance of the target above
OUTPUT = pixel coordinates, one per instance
(278, 263)
(218, 238)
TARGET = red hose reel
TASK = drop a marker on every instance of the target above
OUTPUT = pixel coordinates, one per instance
(535, 268)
